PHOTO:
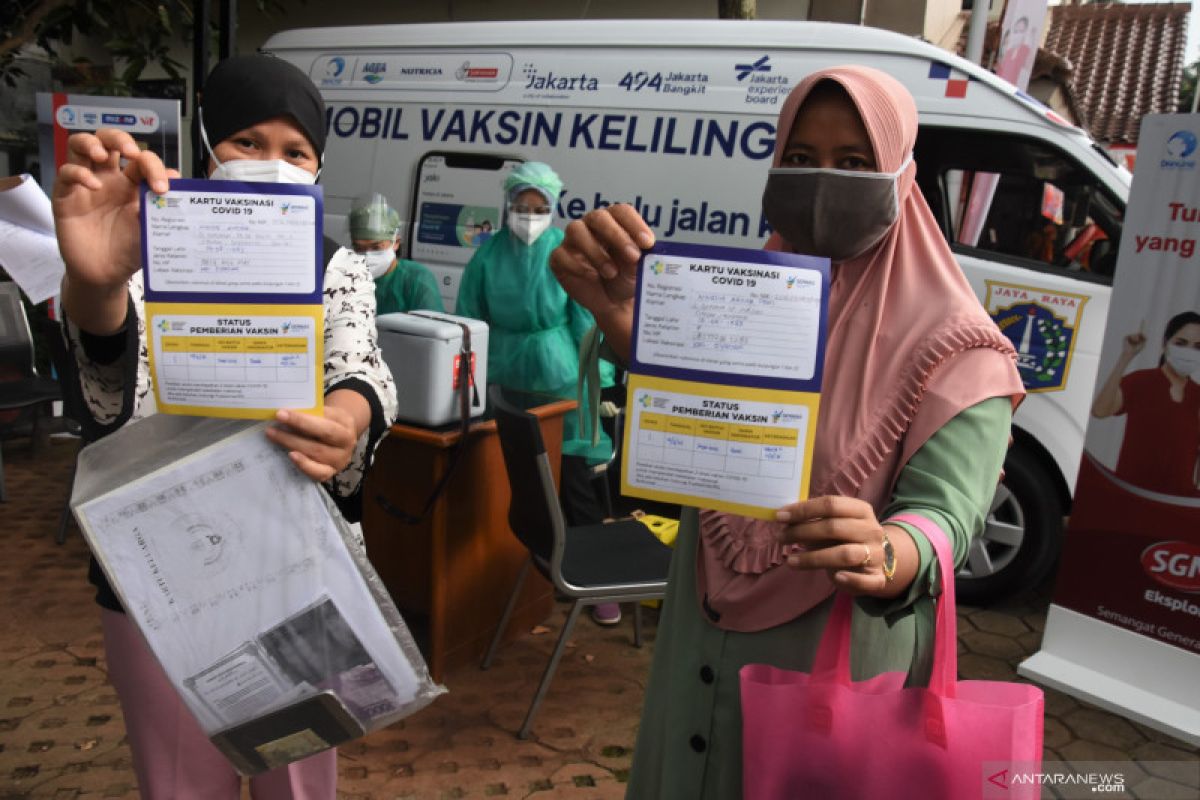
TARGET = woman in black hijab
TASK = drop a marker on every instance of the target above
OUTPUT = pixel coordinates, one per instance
(262, 120)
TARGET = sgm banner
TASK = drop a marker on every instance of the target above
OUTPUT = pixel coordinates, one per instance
(1124, 628)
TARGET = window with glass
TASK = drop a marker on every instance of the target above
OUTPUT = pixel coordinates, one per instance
(1019, 200)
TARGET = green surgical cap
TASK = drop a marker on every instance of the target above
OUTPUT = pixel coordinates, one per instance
(372, 219)
(533, 175)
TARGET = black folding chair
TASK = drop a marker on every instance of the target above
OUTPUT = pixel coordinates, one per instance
(590, 564)
(22, 389)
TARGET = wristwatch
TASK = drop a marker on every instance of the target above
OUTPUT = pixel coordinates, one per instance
(889, 558)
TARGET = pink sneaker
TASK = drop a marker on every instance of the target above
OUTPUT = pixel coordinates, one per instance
(606, 614)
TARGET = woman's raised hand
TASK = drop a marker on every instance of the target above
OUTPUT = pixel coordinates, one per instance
(1132, 344)
(598, 257)
(95, 202)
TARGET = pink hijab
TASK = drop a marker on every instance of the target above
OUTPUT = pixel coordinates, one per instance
(909, 347)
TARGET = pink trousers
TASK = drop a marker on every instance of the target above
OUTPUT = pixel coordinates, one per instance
(171, 755)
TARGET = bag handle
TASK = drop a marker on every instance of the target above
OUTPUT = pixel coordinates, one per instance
(832, 662)
(944, 675)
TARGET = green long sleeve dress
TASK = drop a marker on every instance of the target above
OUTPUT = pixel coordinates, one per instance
(689, 744)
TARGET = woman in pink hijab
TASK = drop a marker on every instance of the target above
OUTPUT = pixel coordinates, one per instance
(916, 404)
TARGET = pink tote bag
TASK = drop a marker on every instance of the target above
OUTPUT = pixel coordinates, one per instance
(821, 735)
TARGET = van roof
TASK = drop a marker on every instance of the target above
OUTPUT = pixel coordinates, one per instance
(660, 35)
(709, 33)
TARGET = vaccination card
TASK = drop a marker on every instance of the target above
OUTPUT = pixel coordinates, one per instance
(725, 377)
(234, 312)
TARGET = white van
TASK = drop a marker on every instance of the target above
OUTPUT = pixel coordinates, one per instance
(678, 118)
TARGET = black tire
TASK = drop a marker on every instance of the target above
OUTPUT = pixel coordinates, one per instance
(1022, 537)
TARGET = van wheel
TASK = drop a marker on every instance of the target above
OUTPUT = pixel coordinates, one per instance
(1021, 538)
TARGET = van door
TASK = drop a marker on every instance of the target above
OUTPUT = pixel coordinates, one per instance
(1043, 268)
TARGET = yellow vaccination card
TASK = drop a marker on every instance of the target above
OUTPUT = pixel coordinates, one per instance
(724, 382)
(234, 302)
(734, 449)
(246, 361)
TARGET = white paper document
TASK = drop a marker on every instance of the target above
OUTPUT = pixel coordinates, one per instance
(230, 242)
(234, 569)
(729, 317)
(28, 248)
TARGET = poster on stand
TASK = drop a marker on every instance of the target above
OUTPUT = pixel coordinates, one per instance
(1124, 627)
(154, 124)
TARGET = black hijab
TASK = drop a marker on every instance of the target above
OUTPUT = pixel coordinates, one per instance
(245, 90)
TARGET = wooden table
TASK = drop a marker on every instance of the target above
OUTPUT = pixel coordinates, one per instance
(452, 573)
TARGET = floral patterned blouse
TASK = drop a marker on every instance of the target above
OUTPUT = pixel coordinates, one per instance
(115, 389)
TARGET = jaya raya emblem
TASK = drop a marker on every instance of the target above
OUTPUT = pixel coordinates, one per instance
(1041, 325)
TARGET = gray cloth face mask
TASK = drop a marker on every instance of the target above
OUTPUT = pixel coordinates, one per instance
(834, 213)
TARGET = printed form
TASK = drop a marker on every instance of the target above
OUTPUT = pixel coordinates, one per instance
(247, 605)
(234, 310)
(725, 377)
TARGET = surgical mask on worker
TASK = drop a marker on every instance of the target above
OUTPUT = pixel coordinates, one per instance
(528, 227)
(379, 261)
(834, 213)
(1184, 360)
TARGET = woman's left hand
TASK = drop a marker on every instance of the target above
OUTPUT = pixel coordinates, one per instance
(841, 536)
(320, 446)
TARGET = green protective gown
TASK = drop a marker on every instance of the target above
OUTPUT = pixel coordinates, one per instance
(535, 327)
(407, 286)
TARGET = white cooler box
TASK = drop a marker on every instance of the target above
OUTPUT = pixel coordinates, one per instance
(422, 349)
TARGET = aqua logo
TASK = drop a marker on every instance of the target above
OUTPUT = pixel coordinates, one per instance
(373, 71)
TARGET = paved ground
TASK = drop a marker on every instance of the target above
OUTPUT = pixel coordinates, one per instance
(61, 734)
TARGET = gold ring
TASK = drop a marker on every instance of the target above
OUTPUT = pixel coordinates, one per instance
(866, 561)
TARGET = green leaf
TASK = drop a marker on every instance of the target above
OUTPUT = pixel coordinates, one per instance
(133, 71)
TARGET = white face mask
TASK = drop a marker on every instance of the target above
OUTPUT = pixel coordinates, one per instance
(379, 261)
(260, 171)
(528, 227)
(253, 170)
(1184, 360)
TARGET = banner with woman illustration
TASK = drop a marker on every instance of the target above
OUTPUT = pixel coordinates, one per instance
(1124, 628)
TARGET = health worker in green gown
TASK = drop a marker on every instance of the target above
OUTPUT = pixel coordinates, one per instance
(536, 329)
(400, 284)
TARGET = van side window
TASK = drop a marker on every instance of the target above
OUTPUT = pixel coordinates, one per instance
(1046, 212)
